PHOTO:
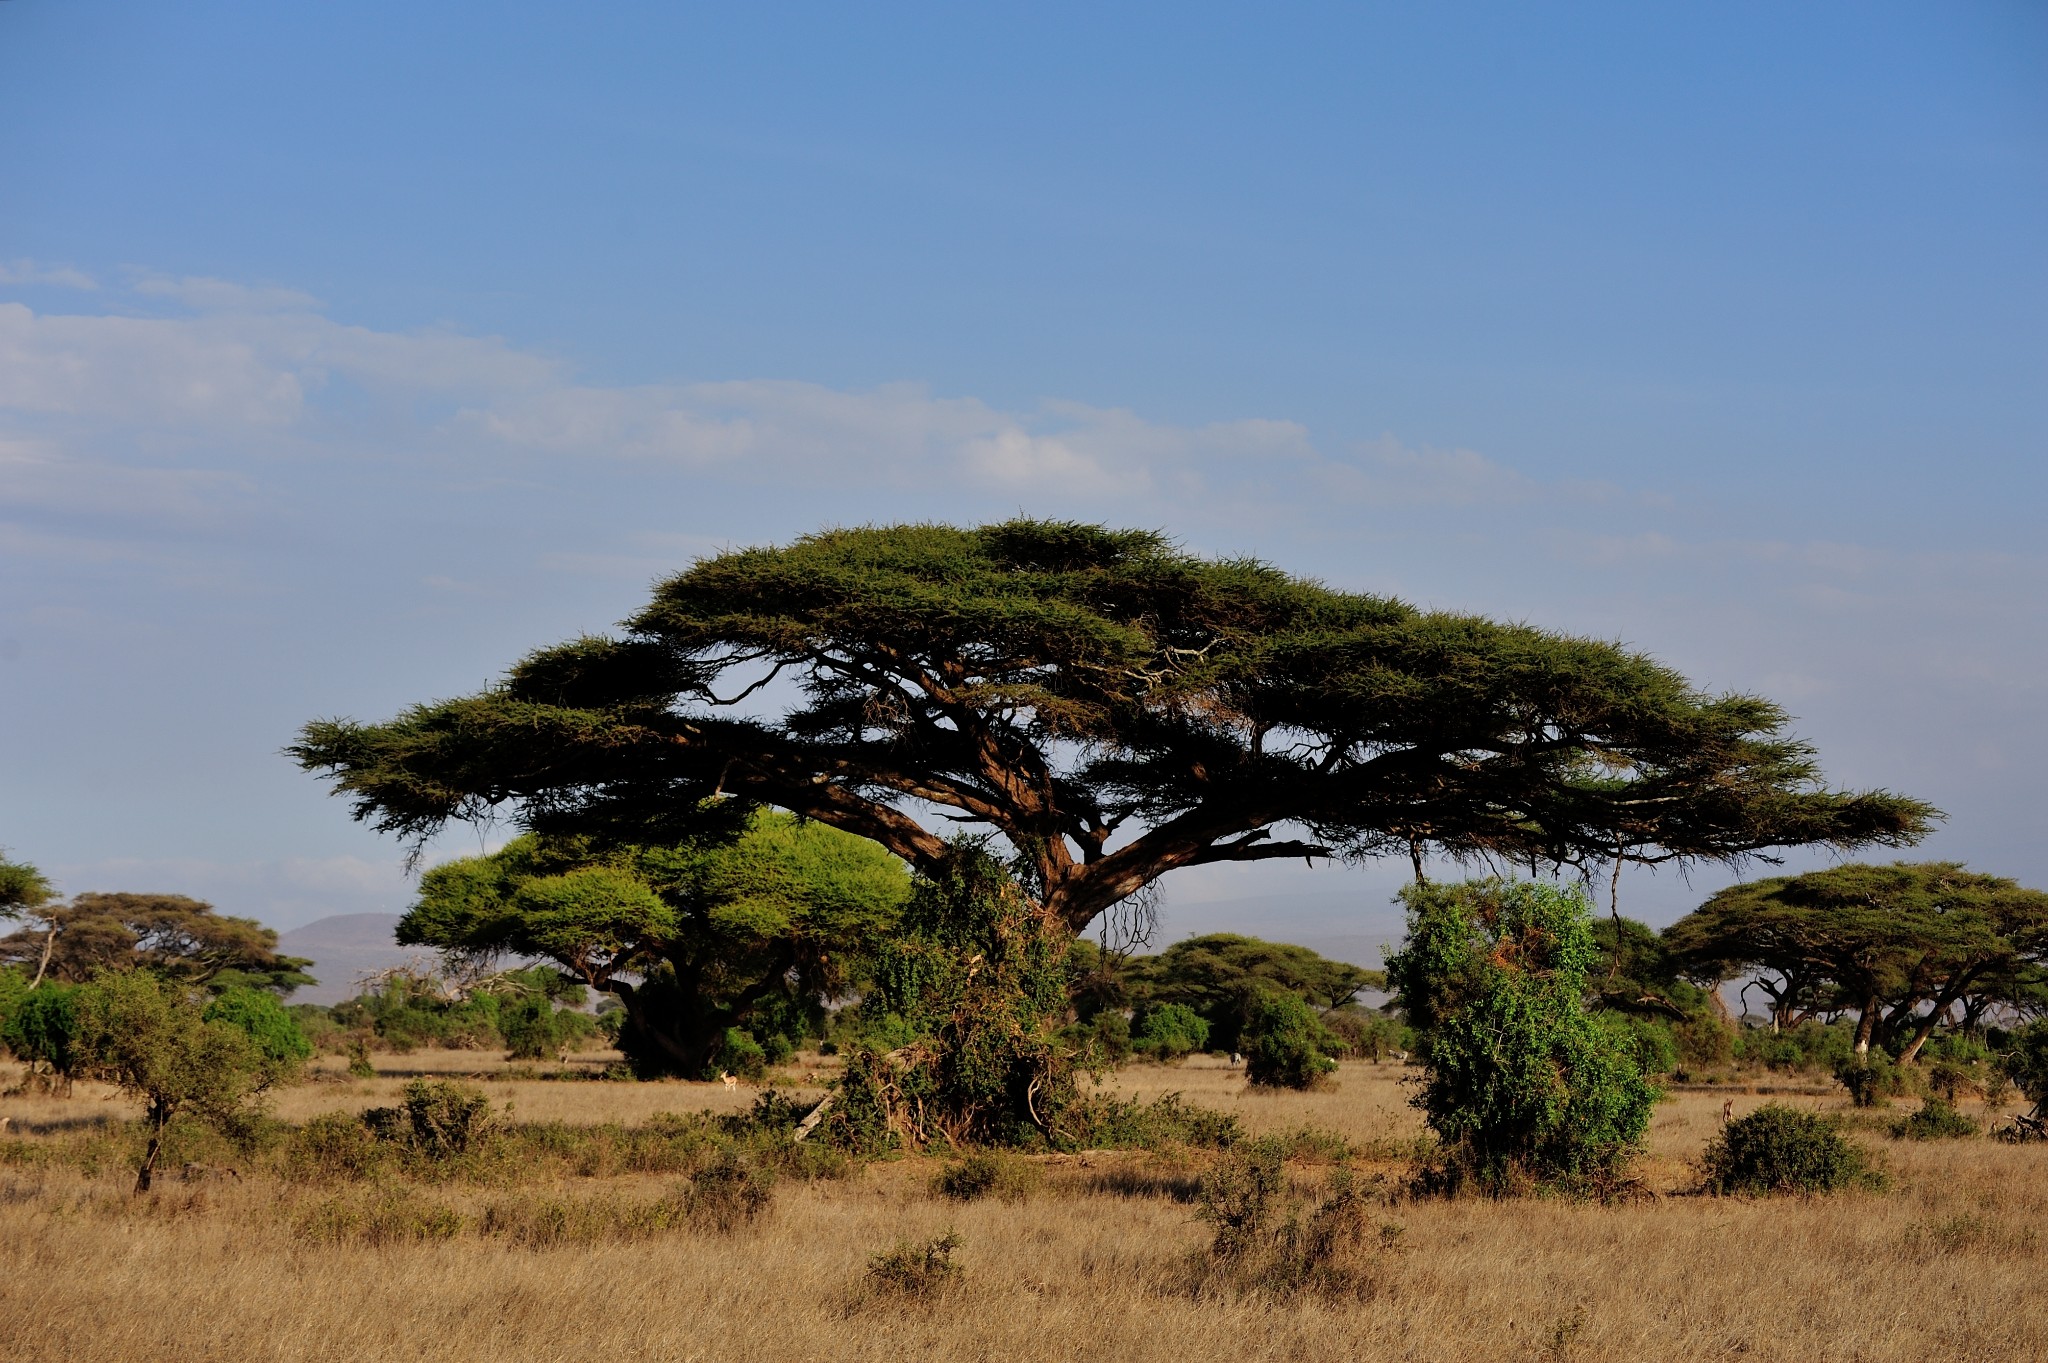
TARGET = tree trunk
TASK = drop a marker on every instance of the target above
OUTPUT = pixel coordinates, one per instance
(1866, 1027)
(147, 1172)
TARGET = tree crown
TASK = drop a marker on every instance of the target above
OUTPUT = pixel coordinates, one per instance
(1113, 706)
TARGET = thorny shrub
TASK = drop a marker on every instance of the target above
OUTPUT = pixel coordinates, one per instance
(1331, 1247)
(987, 1174)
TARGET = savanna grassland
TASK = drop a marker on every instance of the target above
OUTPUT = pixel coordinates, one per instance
(576, 1239)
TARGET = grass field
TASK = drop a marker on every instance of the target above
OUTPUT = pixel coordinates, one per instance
(1094, 1264)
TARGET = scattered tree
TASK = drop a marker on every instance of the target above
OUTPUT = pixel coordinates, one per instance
(147, 1036)
(1899, 946)
(1224, 976)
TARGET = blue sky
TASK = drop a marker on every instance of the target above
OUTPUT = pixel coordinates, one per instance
(348, 352)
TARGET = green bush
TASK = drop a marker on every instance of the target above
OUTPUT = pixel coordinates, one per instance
(333, 1147)
(2025, 1063)
(1937, 1120)
(1523, 1087)
(1285, 1044)
(1806, 1046)
(740, 1055)
(528, 1025)
(1873, 1080)
(1365, 1033)
(43, 1028)
(1106, 1037)
(258, 1012)
(1168, 1031)
(1779, 1149)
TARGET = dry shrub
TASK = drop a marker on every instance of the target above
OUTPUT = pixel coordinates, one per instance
(1332, 1248)
(987, 1174)
(909, 1273)
(727, 1194)
(333, 1148)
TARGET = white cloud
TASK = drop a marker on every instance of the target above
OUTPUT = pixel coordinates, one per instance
(30, 272)
(220, 295)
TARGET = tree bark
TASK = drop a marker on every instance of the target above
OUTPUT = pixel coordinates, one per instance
(146, 1174)
(1866, 1027)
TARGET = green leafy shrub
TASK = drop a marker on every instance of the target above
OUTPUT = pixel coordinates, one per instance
(977, 983)
(274, 1030)
(2025, 1063)
(528, 1025)
(1365, 1033)
(42, 1029)
(1168, 1031)
(1806, 1046)
(1285, 1044)
(1937, 1120)
(1165, 1123)
(1524, 1088)
(1873, 1079)
(1104, 1038)
(740, 1055)
(1779, 1149)
(987, 1174)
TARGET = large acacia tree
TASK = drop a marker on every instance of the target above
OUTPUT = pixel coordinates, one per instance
(1115, 707)
(1899, 946)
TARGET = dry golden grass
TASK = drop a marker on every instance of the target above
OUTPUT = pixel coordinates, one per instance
(1946, 1266)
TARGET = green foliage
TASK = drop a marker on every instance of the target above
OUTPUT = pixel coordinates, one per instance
(1285, 1045)
(1808, 1046)
(2025, 1063)
(1166, 1124)
(1168, 1031)
(1937, 1120)
(1779, 1149)
(1873, 1080)
(1523, 1086)
(258, 1013)
(738, 1054)
(986, 1173)
(1366, 1033)
(436, 1118)
(22, 887)
(1223, 976)
(1057, 682)
(1105, 1039)
(753, 932)
(42, 1027)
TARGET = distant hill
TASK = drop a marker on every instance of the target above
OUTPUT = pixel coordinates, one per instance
(343, 948)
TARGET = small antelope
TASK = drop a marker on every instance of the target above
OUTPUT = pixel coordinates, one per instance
(6, 1124)
(1727, 1111)
(727, 1080)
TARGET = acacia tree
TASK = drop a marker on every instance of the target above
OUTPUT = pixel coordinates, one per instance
(1115, 707)
(692, 939)
(1222, 976)
(175, 936)
(23, 893)
(1884, 942)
